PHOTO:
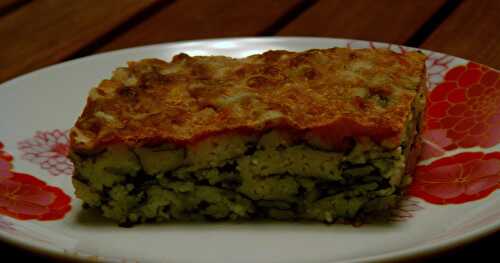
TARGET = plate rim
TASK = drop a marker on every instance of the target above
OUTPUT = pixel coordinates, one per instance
(408, 253)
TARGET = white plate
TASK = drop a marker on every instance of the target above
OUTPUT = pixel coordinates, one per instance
(35, 108)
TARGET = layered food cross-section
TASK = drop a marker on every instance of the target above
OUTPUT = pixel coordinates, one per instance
(324, 135)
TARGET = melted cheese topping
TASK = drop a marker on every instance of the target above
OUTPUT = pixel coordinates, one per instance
(334, 93)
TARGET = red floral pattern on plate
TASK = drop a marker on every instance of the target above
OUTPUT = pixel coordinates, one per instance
(457, 179)
(23, 196)
(463, 111)
(4, 169)
(49, 150)
(436, 65)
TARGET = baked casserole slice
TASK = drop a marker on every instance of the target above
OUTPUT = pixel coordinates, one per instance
(326, 135)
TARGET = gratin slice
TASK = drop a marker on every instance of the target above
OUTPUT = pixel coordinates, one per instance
(321, 134)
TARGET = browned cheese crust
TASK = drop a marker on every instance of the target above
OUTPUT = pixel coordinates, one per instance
(332, 93)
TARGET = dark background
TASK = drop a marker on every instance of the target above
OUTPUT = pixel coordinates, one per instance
(38, 33)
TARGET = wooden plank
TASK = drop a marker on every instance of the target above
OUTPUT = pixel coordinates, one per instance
(4, 4)
(193, 19)
(44, 32)
(472, 31)
(381, 20)
(8, 6)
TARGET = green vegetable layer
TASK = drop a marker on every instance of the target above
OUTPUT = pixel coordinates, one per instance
(236, 177)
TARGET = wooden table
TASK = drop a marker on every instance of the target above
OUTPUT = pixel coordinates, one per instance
(38, 33)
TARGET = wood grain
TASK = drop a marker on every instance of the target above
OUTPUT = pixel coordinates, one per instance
(193, 19)
(472, 31)
(5, 4)
(381, 20)
(44, 32)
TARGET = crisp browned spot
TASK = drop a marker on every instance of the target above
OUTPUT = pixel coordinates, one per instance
(258, 82)
(380, 90)
(101, 92)
(271, 71)
(127, 92)
(360, 103)
(353, 56)
(180, 57)
(240, 72)
(298, 60)
(273, 55)
(200, 71)
(310, 73)
(93, 126)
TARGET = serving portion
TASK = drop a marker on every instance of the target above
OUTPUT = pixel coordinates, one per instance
(323, 135)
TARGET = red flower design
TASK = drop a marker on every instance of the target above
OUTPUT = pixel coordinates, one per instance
(23, 196)
(434, 143)
(464, 110)
(4, 169)
(457, 179)
(49, 150)
(436, 65)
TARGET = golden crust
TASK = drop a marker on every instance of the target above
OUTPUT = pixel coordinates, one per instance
(332, 93)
